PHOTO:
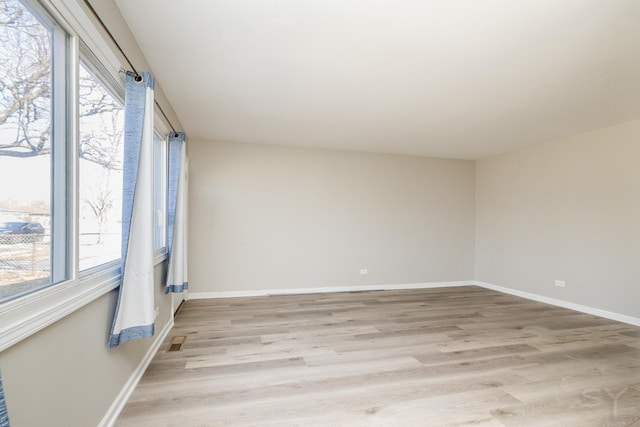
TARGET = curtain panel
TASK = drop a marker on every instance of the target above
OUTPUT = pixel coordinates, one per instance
(134, 317)
(4, 415)
(177, 280)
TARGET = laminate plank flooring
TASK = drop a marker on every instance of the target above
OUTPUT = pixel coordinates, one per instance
(463, 356)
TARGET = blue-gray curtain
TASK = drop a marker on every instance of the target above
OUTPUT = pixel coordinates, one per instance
(4, 416)
(177, 280)
(134, 317)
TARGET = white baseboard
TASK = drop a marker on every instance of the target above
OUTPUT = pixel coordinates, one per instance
(118, 404)
(331, 289)
(565, 304)
(577, 307)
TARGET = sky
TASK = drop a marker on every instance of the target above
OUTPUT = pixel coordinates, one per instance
(25, 179)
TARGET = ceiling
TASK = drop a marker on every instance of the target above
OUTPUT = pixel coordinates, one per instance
(458, 78)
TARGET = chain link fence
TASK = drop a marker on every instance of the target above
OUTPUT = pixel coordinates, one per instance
(25, 264)
(24, 257)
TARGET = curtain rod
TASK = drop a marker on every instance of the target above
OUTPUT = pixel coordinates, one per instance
(135, 72)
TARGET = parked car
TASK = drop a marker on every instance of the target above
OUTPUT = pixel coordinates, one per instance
(21, 232)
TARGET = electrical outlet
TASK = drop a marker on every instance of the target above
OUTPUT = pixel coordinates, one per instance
(364, 271)
(561, 283)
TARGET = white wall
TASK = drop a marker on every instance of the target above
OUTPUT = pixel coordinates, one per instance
(567, 210)
(273, 217)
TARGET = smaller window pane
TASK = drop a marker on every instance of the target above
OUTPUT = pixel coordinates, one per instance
(159, 191)
(100, 169)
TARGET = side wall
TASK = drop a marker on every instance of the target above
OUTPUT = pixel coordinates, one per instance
(271, 217)
(567, 210)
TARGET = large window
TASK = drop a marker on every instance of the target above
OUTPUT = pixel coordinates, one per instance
(61, 159)
(31, 47)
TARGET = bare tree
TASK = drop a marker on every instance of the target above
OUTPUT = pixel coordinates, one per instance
(25, 82)
(25, 92)
(101, 139)
(26, 57)
(100, 205)
(101, 136)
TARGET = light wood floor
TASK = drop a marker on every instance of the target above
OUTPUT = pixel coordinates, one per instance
(462, 356)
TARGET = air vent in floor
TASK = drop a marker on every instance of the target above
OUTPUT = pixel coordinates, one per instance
(176, 343)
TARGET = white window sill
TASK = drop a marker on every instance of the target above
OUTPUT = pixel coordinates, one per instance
(24, 316)
(27, 315)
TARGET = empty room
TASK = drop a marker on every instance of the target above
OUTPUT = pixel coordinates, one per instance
(319, 213)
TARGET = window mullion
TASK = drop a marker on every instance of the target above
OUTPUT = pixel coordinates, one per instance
(62, 133)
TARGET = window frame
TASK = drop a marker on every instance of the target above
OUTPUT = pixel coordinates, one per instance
(160, 253)
(62, 184)
(116, 90)
(61, 156)
(70, 289)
